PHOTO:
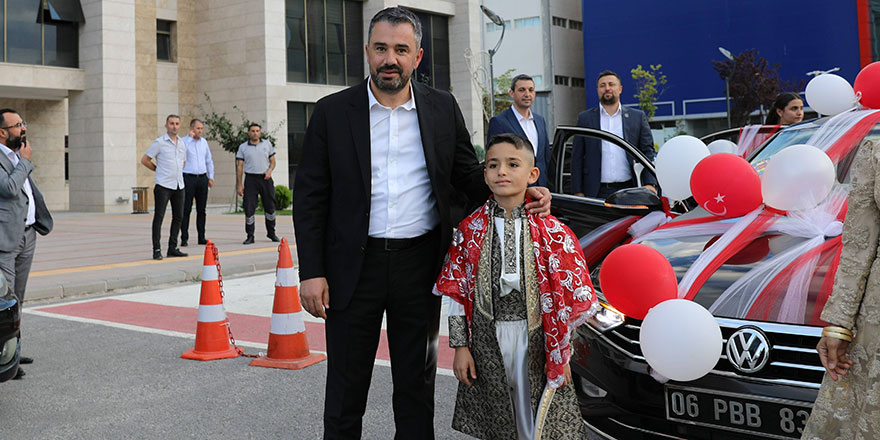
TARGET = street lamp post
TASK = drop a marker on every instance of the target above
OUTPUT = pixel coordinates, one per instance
(730, 57)
(498, 22)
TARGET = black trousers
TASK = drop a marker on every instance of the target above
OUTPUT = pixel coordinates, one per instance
(195, 186)
(255, 184)
(397, 283)
(162, 196)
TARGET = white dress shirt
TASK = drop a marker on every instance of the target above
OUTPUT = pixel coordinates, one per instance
(402, 203)
(198, 157)
(615, 166)
(528, 126)
(32, 210)
(170, 158)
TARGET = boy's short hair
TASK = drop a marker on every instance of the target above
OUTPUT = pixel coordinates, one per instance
(518, 142)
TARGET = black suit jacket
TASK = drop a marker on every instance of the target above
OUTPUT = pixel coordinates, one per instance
(586, 154)
(331, 195)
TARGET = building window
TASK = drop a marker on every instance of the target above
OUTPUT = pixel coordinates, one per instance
(298, 114)
(434, 68)
(539, 81)
(559, 21)
(576, 25)
(577, 82)
(51, 40)
(165, 40)
(492, 27)
(325, 42)
(560, 80)
(527, 22)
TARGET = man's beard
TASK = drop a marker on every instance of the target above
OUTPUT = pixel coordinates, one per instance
(394, 85)
(14, 143)
(609, 101)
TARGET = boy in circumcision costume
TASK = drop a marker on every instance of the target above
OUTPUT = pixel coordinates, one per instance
(519, 286)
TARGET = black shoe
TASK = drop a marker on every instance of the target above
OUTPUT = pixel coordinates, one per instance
(203, 241)
(274, 238)
(19, 375)
(26, 360)
(249, 240)
(175, 252)
(157, 254)
(183, 243)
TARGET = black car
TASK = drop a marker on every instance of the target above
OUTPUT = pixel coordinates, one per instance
(10, 344)
(768, 375)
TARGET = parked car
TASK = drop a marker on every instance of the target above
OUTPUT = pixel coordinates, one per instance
(768, 375)
(10, 344)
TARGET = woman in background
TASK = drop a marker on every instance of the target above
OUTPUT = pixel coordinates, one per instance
(787, 110)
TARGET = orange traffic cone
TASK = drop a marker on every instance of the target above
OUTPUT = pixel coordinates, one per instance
(212, 337)
(288, 346)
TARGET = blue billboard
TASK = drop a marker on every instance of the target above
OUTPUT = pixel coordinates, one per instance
(684, 36)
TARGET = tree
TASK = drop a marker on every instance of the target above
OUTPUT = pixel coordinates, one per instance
(752, 83)
(646, 83)
(220, 129)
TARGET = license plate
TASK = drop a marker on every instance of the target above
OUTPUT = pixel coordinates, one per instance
(760, 416)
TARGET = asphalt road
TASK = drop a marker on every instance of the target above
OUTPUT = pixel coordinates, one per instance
(93, 381)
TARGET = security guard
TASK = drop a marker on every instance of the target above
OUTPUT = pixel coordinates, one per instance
(256, 160)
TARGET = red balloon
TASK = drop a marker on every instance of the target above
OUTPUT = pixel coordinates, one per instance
(726, 185)
(635, 277)
(868, 84)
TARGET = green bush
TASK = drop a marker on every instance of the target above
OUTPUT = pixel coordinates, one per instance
(283, 197)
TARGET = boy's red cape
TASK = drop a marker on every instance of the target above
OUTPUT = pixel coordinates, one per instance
(567, 298)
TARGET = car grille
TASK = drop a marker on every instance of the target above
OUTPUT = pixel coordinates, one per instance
(793, 358)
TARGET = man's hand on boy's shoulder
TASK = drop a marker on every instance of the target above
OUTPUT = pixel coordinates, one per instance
(540, 201)
(315, 296)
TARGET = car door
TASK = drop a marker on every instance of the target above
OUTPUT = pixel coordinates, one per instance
(584, 214)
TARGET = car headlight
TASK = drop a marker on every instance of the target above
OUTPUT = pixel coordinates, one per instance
(7, 353)
(607, 318)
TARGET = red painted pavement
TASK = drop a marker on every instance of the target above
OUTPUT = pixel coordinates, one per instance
(183, 319)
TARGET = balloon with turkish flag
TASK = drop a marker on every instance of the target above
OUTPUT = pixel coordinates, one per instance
(726, 185)
(867, 85)
(635, 277)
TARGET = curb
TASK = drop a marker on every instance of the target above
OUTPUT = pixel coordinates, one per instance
(138, 282)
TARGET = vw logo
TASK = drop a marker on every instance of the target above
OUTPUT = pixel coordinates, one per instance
(748, 349)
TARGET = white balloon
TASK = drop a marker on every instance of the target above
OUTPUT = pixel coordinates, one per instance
(722, 146)
(798, 177)
(675, 162)
(829, 94)
(680, 340)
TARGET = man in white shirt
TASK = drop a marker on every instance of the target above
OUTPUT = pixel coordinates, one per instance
(198, 176)
(24, 212)
(170, 154)
(520, 119)
(598, 169)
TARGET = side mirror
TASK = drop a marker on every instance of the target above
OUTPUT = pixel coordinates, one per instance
(635, 198)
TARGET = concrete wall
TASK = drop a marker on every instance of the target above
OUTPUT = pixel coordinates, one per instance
(569, 100)
(103, 118)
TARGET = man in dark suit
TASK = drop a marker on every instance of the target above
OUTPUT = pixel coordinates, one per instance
(371, 214)
(24, 212)
(598, 169)
(519, 119)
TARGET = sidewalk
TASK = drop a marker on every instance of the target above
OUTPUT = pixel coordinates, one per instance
(95, 253)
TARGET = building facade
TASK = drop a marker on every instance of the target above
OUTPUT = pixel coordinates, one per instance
(95, 79)
(542, 39)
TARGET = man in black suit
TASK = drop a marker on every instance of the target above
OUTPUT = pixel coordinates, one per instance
(371, 214)
(599, 168)
(24, 212)
(520, 119)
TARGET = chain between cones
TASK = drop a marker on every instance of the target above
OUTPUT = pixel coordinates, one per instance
(238, 349)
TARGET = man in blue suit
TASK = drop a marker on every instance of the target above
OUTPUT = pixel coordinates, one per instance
(598, 169)
(519, 119)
